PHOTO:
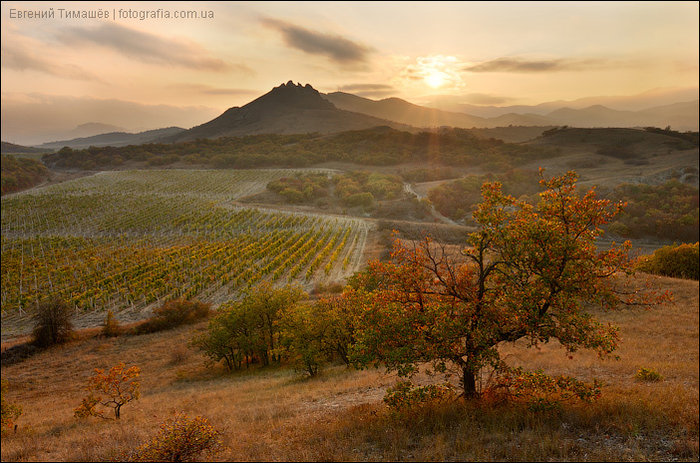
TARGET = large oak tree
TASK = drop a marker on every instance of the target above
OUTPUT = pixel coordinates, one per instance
(531, 271)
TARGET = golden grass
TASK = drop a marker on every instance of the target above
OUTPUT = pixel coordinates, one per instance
(274, 414)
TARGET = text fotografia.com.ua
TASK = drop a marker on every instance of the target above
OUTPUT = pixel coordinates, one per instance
(114, 13)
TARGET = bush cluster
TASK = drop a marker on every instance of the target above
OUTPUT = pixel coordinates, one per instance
(302, 188)
(274, 326)
(668, 211)
(682, 261)
(458, 199)
(21, 173)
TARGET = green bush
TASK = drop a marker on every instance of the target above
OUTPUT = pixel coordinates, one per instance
(365, 200)
(173, 314)
(52, 323)
(673, 261)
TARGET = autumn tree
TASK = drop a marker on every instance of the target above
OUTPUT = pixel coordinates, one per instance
(114, 389)
(529, 272)
(52, 323)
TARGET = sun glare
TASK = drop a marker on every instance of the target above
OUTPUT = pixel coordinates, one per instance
(435, 79)
(437, 71)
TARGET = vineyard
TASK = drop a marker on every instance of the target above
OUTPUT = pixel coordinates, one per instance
(128, 239)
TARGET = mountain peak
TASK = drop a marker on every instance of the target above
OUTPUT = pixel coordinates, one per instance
(291, 95)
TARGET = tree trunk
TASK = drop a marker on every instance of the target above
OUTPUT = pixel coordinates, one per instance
(469, 383)
(116, 411)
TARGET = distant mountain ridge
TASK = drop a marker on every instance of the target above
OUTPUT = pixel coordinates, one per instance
(287, 109)
(639, 102)
(680, 116)
(295, 109)
(115, 139)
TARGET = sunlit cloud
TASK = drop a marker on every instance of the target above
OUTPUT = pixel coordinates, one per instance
(146, 47)
(335, 47)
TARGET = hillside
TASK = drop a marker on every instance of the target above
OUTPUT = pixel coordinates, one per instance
(114, 139)
(624, 139)
(287, 109)
(274, 414)
(11, 148)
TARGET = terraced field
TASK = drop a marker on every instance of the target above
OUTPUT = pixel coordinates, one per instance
(128, 239)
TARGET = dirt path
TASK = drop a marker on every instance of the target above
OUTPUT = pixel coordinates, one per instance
(408, 188)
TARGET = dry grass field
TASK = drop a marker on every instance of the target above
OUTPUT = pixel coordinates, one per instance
(275, 414)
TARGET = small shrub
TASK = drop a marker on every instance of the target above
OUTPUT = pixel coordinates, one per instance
(180, 439)
(403, 397)
(648, 375)
(8, 412)
(52, 323)
(119, 386)
(110, 327)
(539, 391)
(173, 314)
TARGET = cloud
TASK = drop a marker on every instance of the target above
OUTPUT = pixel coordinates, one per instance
(209, 90)
(517, 65)
(147, 47)
(17, 55)
(335, 47)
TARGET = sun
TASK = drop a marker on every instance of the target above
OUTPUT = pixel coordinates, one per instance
(435, 78)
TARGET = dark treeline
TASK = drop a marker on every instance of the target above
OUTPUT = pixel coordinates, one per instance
(668, 211)
(377, 146)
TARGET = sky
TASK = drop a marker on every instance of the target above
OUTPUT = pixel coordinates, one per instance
(142, 65)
